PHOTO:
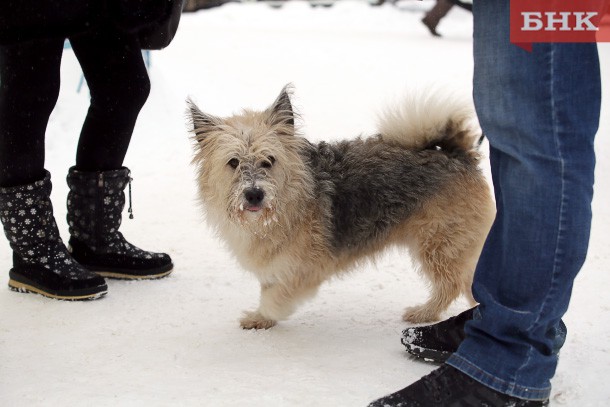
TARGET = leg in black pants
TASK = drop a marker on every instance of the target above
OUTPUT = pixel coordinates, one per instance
(29, 76)
(114, 68)
(119, 85)
(29, 87)
(118, 81)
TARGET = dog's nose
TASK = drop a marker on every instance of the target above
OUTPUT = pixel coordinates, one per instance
(254, 196)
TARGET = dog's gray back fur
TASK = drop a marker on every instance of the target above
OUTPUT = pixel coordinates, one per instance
(369, 186)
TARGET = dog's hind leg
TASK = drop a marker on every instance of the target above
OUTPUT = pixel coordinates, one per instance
(277, 302)
(448, 276)
(445, 286)
(447, 239)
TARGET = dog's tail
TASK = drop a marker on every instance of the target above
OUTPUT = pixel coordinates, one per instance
(432, 120)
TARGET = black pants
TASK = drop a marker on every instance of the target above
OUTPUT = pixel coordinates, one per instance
(113, 66)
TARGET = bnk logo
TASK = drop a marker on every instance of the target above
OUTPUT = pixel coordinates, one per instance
(562, 21)
(559, 21)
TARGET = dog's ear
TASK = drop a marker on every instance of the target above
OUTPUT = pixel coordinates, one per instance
(200, 123)
(280, 112)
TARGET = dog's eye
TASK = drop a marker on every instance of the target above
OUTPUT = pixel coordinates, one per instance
(269, 163)
(233, 162)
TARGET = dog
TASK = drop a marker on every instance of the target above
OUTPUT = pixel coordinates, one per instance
(296, 213)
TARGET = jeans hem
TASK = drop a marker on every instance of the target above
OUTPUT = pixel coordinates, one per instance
(499, 385)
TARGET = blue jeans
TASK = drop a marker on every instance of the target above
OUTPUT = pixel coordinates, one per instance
(540, 112)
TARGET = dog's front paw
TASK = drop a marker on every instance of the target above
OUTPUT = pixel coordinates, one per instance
(254, 320)
(420, 314)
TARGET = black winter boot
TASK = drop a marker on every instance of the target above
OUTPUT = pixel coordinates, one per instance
(95, 203)
(41, 262)
(436, 342)
(448, 387)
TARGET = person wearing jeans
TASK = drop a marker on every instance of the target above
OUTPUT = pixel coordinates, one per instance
(540, 111)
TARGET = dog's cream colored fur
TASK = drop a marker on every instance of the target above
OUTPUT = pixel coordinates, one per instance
(287, 243)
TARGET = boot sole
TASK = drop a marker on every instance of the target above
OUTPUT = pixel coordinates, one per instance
(156, 274)
(26, 288)
(123, 276)
(427, 355)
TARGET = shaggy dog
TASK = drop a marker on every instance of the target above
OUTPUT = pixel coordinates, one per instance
(296, 213)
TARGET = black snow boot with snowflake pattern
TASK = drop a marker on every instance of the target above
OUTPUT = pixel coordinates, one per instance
(41, 262)
(95, 204)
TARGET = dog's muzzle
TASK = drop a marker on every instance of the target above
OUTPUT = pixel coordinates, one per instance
(254, 197)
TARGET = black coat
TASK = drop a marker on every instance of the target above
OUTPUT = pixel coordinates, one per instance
(25, 20)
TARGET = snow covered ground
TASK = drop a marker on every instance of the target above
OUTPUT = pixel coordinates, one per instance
(177, 341)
